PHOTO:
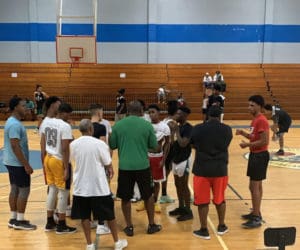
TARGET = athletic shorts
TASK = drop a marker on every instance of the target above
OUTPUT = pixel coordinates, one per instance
(158, 173)
(257, 165)
(203, 185)
(102, 208)
(182, 168)
(283, 129)
(127, 179)
(54, 171)
(18, 176)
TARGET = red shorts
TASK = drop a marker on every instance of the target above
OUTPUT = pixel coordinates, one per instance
(158, 173)
(202, 186)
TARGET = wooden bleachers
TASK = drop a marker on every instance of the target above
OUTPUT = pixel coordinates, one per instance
(284, 85)
(99, 83)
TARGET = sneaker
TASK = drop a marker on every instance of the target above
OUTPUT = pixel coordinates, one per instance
(154, 228)
(121, 244)
(24, 225)
(177, 211)
(90, 247)
(249, 216)
(128, 231)
(254, 222)
(157, 208)
(222, 229)
(140, 206)
(202, 233)
(188, 215)
(102, 229)
(64, 229)
(166, 199)
(11, 223)
(280, 152)
(50, 226)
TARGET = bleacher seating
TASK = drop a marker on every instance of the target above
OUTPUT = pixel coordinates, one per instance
(99, 83)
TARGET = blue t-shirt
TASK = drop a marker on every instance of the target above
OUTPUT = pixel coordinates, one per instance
(14, 129)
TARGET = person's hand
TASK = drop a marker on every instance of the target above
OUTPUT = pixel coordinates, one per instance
(110, 172)
(66, 174)
(244, 144)
(238, 132)
(28, 169)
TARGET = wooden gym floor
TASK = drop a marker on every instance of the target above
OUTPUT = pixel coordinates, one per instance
(280, 208)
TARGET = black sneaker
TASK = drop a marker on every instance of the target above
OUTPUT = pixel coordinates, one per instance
(11, 223)
(187, 216)
(24, 225)
(280, 152)
(254, 222)
(128, 231)
(222, 229)
(50, 226)
(64, 229)
(154, 228)
(249, 216)
(177, 211)
(202, 233)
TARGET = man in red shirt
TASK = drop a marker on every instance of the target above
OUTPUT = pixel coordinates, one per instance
(258, 158)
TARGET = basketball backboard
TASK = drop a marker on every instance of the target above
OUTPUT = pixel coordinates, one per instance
(79, 48)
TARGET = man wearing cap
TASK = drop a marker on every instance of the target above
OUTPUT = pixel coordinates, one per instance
(16, 160)
(211, 141)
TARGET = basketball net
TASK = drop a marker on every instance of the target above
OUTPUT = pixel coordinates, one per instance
(75, 61)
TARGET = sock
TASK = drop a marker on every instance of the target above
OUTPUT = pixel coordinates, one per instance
(13, 214)
(163, 191)
(20, 216)
(50, 219)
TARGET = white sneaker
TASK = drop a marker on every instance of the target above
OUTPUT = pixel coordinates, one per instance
(120, 244)
(102, 229)
(90, 247)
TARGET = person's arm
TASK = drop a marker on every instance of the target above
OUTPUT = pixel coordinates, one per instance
(109, 169)
(182, 141)
(263, 140)
(16, 148)
(166, 149)
(45, 95)
(243, 133)
(65, 144)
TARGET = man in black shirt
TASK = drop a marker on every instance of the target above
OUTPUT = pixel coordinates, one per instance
(121, 108)
(281, 124)
(179, 154)
(211, 141)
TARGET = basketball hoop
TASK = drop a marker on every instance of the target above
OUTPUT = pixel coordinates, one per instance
(75, 53)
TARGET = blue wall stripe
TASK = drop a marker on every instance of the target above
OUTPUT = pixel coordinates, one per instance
(160, 33)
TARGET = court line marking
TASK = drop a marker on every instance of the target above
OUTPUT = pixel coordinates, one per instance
(219, 238)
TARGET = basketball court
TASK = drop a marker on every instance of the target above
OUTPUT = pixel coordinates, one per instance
(280, 206)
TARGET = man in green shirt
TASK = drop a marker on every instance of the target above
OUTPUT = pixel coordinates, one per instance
(133, 136)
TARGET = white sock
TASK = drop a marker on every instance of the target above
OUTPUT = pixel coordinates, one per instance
(20, 216)
(13, 214)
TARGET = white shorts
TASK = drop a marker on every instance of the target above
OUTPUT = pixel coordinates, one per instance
(181, 168)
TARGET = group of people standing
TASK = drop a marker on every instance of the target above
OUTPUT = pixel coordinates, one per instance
(147, 152)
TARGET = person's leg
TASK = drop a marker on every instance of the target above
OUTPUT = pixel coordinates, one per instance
(86, 226)
(149, 204)
(186, 191)
(156, 191)
(203, 212)
(113, 228)
(179, 190)
(281, 141)
(13, 197)
(256, 196)
(221, 209)
(126, 209)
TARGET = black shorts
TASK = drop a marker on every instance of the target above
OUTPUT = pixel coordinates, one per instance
(283, 129)
(102, 208)
(18, 176)
(257, 165)
(128, 178)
